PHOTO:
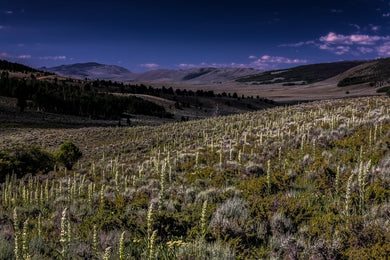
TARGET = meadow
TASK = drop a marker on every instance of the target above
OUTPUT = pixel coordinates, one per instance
(309, 181)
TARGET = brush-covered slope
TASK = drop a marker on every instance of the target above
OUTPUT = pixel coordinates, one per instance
(195, 75)
(302, 182)
(376, 73)
(305, 74)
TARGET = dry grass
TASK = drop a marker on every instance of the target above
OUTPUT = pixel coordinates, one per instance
(323, 90)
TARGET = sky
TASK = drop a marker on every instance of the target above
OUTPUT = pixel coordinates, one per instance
(150, 34)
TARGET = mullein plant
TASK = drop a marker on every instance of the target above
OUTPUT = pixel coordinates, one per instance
(122, 246)
(348, 192)
(40, 226)
(17, 248)
(203, 220)
(152, 245)
(149, 223)
(107, 253)
(196, 161)
(102, 196)
(26, 254)
(64, 232)
(95, 241)
(269, 176)
(362, 177)
(337, 180)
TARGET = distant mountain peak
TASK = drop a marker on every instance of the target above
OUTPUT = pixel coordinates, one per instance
(91, 70)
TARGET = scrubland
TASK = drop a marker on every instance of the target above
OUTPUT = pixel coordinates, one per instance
(310, 181)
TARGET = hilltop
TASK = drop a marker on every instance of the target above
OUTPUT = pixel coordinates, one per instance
(92, 70)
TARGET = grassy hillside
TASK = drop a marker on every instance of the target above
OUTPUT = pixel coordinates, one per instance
(306, 74)
(376, 74)
(299, 182)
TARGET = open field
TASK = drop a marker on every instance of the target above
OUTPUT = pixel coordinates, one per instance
(326, 89)
(309, 181)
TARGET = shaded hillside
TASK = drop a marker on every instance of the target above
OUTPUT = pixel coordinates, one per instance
(305, 74)
(376, 73)
(15, 67)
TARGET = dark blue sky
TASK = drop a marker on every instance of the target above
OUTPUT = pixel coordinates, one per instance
(141, 35)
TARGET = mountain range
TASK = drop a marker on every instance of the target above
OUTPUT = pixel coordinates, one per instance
(350, 72)
(95, 70)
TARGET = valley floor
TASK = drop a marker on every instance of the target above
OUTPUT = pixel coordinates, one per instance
(323, 90)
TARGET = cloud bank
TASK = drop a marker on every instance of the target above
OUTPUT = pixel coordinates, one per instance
(265, 62)
(353, 44)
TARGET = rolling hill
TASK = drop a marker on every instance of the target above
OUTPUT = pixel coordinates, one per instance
(91, 70)
(376, 73)
(94, 70)
(351, 72)
(305, 74)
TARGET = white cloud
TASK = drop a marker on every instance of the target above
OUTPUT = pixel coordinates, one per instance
(355, 44)
(187, 65)
(297, 44)
(24, 56)
(28, 56)
(272, 62)
(375, 27)
(61, 57)
(280, 60)
(336, 10)
(150, 65)
(340, 44)
(340, 50)
(384, 50)
(265, 62)
(386, 15)
(332, 37)
(212, 65)
(359, 39)
(9, 12)
(238, 65)
(365, 50)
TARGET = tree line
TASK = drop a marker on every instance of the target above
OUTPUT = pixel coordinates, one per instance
(74, 100)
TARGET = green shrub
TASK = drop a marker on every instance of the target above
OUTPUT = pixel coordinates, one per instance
(348, 81)
(68, 154)
(383, 89)
(25, 160)
(6, 249)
